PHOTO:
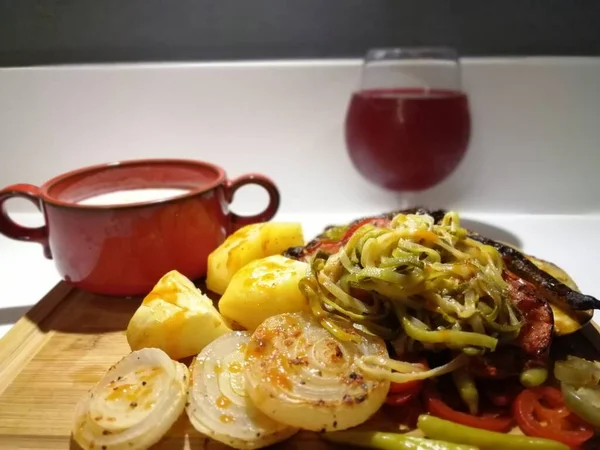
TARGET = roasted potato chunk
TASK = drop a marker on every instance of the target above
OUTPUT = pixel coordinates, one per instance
(264, 288)
(176, 318)
(248, 244)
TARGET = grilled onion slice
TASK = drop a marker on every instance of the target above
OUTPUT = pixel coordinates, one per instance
(218, 404)
(299, 374)
(133, 406)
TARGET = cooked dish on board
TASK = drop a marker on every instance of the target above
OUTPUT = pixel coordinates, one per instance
(461, 341)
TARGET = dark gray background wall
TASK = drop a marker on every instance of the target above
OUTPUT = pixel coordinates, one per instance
(34, 32)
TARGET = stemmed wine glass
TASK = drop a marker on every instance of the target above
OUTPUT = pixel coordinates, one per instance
(408, 125)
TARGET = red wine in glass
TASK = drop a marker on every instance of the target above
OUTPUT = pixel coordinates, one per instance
(408, 127)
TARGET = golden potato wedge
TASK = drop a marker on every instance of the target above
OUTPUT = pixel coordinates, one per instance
(264, 288)
(176, 318)
(248, 244)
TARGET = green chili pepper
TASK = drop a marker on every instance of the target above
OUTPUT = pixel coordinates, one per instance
(390, 441)
(335, 233)
(436, 428)
(456, 339)
(465, 385)
(534, 377)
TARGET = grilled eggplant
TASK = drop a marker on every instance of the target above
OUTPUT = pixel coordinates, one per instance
(553, 289)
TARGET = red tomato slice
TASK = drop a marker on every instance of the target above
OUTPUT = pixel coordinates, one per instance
(541, 412)
(437, 407)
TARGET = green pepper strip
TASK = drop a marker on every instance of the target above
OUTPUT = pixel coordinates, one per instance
(335, 233)
(465, 385)
(534, 377)
(452, 338)
(486, 440)
(306, 287)
(390, 441)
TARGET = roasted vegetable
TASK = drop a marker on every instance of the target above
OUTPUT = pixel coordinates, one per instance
(534, 377)
(544, 274)
(577, 372)
(554, 270)
(264, 288)
(442, 289)
(465, 385)
(248, 244)
(555, 291)
(566, 320)
(435, 312)
(436, 428)
(134, 404)
(218, 404)
(436, 405)
(335, 233)
(175, 317)
(541, 412)
(390, 441)
(300, 375)
(580, 386)
(584, 402)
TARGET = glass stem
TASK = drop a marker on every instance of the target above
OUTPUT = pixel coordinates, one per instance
(407, 200)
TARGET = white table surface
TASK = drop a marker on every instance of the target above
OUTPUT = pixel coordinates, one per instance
(572, 242)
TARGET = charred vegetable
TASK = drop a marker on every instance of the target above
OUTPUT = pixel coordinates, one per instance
(298, 374)
(580, 386)
(134, 404)
(390, 441)
(571, 309)
(483, 439)
(554, 290)
(430, 281)
(218, 404)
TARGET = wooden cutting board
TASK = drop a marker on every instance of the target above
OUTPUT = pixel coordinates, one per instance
(64, 345)
(57, 352)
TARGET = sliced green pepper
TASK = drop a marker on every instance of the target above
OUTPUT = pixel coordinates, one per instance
(465, 385)
(436, 428)
(583, 401)
(390, 441)
(577, 372)
(452, 338)
(534, 377)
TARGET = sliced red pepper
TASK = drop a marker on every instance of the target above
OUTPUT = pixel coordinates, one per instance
(376, 221)
(399, 399)
(541, 412)
(402, 393)
(488, 421)
(409, 387)
(331, 247)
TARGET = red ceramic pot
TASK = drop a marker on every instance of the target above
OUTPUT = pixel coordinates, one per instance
(123, 247)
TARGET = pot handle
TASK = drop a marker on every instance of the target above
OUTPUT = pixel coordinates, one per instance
(13, 230)
(232, 186)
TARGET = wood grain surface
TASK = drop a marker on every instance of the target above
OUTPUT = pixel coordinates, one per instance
(63, 346)
(56, 353)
